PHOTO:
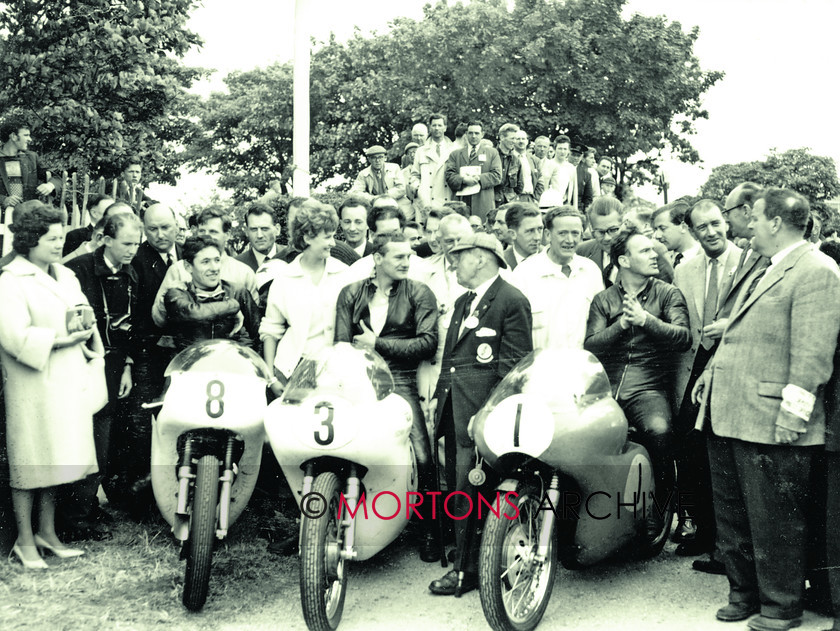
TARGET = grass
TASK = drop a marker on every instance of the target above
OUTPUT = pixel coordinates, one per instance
(135, 580)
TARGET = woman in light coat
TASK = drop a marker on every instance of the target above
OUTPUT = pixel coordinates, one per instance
(50, 379)
(300, 308)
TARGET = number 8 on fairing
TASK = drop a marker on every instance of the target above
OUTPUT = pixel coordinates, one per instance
(217, 398)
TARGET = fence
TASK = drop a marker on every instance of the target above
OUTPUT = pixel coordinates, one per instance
(75, 193)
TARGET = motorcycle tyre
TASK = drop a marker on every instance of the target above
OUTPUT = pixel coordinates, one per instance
(493, 544)
(202, 533)
(315, 587)
(647, 547)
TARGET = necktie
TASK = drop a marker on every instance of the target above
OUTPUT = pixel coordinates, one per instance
(169, 259)
(710, 305)
(438, 149)
(472, 153)
(466, 312)
(678, 258)
(607, 273)
(567, 270)
(756, 279)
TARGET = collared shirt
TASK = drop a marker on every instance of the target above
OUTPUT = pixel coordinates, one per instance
(722, 258)
(691, 252)
(165, 256)
(559, 304)
(360, 249)
(114, 268)
(528, 188)
(479, 294)
(781, 254)
(262, 257)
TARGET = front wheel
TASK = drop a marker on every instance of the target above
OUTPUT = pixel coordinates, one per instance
(514, 584)
(323, 578)
(202, 532)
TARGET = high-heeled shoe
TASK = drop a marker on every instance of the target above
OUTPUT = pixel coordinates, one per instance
(38, 564)
(61, 553)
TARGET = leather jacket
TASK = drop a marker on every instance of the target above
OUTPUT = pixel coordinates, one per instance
(410, 333)
(639, 358)
(192, 317)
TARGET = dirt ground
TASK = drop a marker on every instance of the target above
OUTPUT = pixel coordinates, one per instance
(134, 582)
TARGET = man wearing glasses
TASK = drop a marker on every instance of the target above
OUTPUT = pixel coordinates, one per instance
(380, 178)
(604, 216)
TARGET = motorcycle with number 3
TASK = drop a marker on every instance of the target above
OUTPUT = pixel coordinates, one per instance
(583, 490)
(341, 436)
(207, 442)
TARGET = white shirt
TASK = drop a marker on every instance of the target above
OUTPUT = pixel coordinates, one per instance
(559, 304)
(360, 249)
(479, 294)
(781, 254)
(721, 259)
(690, 253)
(262, 257)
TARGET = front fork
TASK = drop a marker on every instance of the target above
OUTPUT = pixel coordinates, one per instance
(547, 525)
(352, 495)
(186, 478)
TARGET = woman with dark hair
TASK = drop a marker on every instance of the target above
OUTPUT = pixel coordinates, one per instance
(51, 357)
(207, 307)
(300, 308)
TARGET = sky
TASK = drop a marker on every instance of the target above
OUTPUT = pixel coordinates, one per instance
(779, 56)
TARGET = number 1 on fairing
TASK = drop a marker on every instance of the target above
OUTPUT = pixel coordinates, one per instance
(516, 425)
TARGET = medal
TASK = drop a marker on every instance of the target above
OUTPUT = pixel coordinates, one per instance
(471, 322)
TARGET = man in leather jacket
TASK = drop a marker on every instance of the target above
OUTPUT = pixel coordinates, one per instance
(637, 328)
(397, 318)
(207, 307)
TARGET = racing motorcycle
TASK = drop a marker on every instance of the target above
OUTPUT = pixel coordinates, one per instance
(207, 442)
(575, 488)
(341, 437)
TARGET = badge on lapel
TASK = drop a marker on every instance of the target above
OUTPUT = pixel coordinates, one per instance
(471, 322)
(485, 332)
(484, 354)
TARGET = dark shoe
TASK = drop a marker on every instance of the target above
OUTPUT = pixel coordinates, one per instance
(735, 612)
(709, 566)
(284, 547)
(429, 549)
(763, 623)
(85, 531)
(818, 601)
(450, 556)
(693, 548)
(685, 531)
(448, 583)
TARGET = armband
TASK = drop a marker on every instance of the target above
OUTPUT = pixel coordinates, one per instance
(798, 401)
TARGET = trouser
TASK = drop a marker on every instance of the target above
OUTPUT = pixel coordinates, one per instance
(79, 500)
(762, 498)
(650, 413)
(823, 540)
(405, 385)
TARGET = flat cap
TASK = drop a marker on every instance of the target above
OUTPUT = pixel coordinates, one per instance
(411, 145)
(375, 150)
(608, 179)
(485, 241)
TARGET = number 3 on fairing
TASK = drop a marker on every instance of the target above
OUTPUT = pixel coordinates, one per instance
(325, 422)
(215, 394)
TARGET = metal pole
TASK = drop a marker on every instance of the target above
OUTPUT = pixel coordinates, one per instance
(300, 129)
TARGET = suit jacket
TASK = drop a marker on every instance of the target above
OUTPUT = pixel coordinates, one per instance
(785, 332)
(586, 192)
(510, 188)
(488, 159)
(32, 175)
(747, 266)
(248, 258)
(151, 269)
(428, 173)
(75, 238)
(391, 175)
(690, 279)
(510, 258)
(472, 365)
(592, 250)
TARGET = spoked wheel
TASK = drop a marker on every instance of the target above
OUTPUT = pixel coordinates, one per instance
(323, 576)
(514, 584)
(202, 532)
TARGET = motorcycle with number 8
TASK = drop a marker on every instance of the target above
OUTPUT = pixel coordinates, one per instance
(207, 442)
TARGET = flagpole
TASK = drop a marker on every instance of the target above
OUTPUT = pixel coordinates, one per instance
(300, 112)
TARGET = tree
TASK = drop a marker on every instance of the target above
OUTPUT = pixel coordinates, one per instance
(100, 80)
(631, 88)
(815, 177)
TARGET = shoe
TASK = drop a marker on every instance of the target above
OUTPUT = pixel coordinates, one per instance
(450, 556)
(763, 623)
(61, 553)
(735, 612)
(693, 548)
(709, 566)
(685, 531)
(85, 531)
(448, 583)
(818, 601)
(38, 564)
(429, 549)
(285, 547)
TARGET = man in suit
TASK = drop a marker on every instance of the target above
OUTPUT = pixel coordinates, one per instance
(473, 365)
(541, 146)
(22, 176)
(705, 281)
(127, 187)
(380, 178)
(604, 217)
(262, 229)
(353, 215)
(672, 231)
(586, 192)
(764, 395)
(525, 226)
(475, 154)
(532, 187)
(427, 179)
